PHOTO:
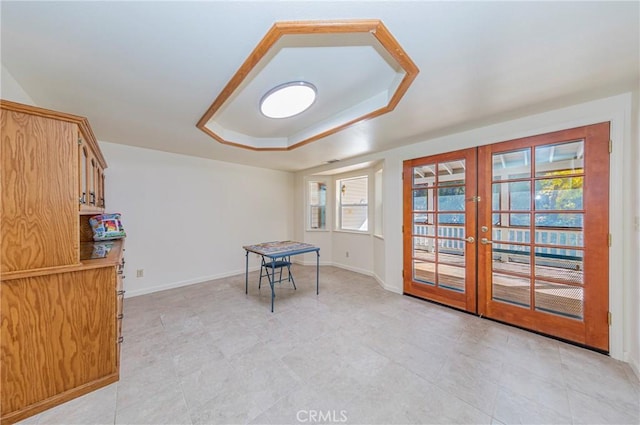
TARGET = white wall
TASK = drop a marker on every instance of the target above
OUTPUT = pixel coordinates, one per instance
(187, 218)
(633, 300)
(353, 251)
(11, 90)
(624, 190)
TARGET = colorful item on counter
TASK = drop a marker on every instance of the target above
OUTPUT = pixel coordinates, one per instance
(107, 226)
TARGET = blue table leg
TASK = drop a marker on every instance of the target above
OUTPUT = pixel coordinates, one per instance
(246, 274)
(318, 273)
(273, 279)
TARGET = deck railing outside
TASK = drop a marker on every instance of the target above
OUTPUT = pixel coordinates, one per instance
(562, 256)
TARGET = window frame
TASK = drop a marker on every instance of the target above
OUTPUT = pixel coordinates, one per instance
(339, 205)
(309, 206)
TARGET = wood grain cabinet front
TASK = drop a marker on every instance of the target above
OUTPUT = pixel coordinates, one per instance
(38, 197)
(61, 316)
(58, 339)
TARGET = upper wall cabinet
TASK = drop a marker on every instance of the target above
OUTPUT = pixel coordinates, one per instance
(41, 173)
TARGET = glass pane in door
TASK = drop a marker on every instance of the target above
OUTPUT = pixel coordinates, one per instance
(563, 300)
(424, 257)
(511, 289)
(438, 202)
(560, 159)
(511, 232)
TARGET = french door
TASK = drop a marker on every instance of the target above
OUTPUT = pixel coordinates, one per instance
(515, 231)
(440, 228)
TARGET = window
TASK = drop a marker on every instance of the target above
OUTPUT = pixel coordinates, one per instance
(353, 207)
(317, 205)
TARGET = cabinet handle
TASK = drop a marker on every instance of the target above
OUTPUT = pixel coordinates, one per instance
(120, 340)
(83, 198)
(121, 292)
(92, 197)
(120, 316)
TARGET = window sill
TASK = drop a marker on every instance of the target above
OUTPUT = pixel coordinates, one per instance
(353, 232)
(378, 237)
(317, 230)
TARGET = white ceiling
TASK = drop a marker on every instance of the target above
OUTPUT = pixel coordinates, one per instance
(145, 72)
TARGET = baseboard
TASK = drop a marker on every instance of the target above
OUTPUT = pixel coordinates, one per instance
(378, 279)
(387, 287)
(134, 293)
(310, 263)
(172, 285)
(353, 269)
(634, 367)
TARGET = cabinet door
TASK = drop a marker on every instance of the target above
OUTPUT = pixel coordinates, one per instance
(39, 176)
(58, 335)
(91, 193)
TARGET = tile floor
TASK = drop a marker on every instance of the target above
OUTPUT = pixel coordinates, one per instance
(355, 354)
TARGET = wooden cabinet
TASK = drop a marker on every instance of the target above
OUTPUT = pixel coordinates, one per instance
(61, 312)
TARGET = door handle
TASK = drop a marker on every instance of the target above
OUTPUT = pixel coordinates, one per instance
(470, 239)
(485, 241)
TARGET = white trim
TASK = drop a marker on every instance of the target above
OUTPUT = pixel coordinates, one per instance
(150, 290)
(618, 186)
(385, 286)
(353, 269)
(354, 232)
(302, 262)
(634, 366)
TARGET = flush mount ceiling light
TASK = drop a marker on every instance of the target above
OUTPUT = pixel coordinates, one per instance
(288, 100)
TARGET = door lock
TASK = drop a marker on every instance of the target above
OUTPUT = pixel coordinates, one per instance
(484, 229)
(471, 239)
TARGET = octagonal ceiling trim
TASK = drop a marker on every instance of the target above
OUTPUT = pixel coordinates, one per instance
(388, 48)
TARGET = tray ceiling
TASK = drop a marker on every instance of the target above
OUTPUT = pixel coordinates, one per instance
(357, 67)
